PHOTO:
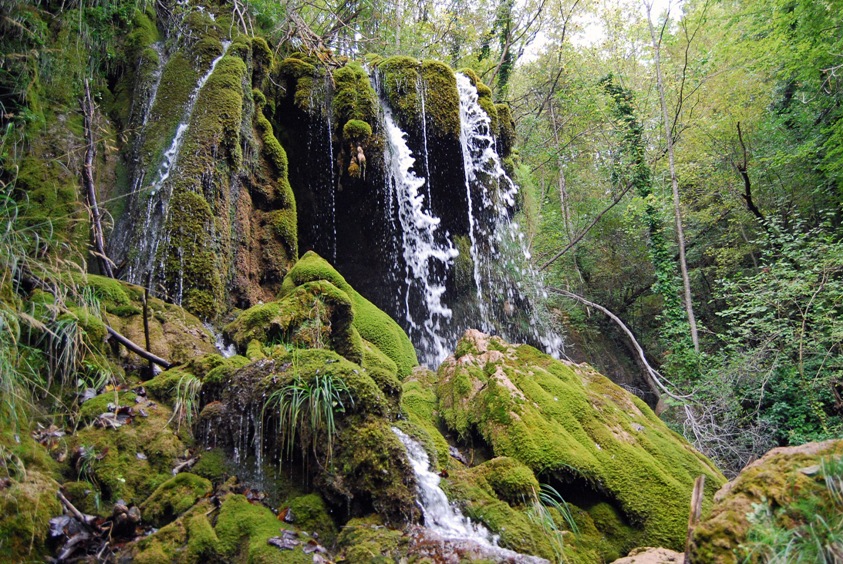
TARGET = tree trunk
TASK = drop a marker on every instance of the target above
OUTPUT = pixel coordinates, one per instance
(680, 234)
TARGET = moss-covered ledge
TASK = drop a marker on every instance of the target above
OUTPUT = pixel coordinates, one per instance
(571, 425)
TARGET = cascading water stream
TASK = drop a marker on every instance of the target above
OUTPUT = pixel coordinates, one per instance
(427, 254)
(504, 280)
(446, 521)
(143, 266)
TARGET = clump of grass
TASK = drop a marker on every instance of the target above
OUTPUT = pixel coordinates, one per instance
(186, 405)
(539, 513)
(809, 530)
(306, 408)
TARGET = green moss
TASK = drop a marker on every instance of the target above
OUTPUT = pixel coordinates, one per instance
(202, 540)
(354, 98)
(302, 79)
(401, 78)
(243, 530)
(383, 371)
(174, 497)
(311, 514)
(374, 325)
(420, 403)
(364, 541)
(442, 102)
(109, 291)
(180, 78)
(214, 125)
(27, 503)
(164, 386)
(84, 496)
(355, 130)
(315, 314)
(506, 129)
(213, 465)
(511, 480)
(112, 457)
(254, 350)
(262, 59)
(620, 536)
(192, 268)
(560, 419)
(781, 483)
(375, 471)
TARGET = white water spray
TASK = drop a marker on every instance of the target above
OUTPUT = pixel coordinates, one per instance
(428, 255)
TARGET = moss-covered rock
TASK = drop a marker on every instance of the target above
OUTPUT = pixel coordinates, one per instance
(303, 77)
(174, 497)
(311, 514)
(566, 422)
(373, 325)
(421, 405)
(128, 462)
(354, 98)
(27, 503)
(778, 481)
(243, 530)
(365, 540)
(511, 480)
(373, 473)
(316, 314)
(405, 80)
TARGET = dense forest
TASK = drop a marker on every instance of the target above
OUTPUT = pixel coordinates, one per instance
(675, 211)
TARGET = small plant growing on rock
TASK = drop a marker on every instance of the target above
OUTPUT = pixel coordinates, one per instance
(305, 408)
(808, 530)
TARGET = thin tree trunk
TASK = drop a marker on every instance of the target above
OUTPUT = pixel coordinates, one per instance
(88, 180)
(680, 234)
(653, 377)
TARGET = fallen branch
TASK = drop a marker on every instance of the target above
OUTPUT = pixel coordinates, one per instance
(696, 510)
(138, 350)
(583, 233)
(88, 180)
(653, 376)
(86, 519)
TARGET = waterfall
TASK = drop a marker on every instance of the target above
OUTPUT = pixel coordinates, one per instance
(503, 295)
(445, 521)
(505, 282)
(428, 255)
(158, 198)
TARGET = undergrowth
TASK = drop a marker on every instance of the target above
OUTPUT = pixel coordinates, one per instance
(809, 530)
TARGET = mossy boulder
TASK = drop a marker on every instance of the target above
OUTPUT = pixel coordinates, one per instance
(354, 99)
(174, 497)
(27, 497)
(420, 404)
(366, 540)
(303, 77)
(128, 462)
(405, 80)
(570, 425)
(778, 481)
(315, 314)
(174, 333)
(311, 514)
(373, 325)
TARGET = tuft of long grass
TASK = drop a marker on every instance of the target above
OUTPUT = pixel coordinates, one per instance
(540, 514)
(186, 405)
(306, 408)
(809, 530)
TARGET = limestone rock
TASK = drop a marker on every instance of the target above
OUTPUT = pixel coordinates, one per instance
(580, 432)
(775, 480)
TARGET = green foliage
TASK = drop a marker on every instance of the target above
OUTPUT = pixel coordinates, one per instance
(810, 529)
(305, 408)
